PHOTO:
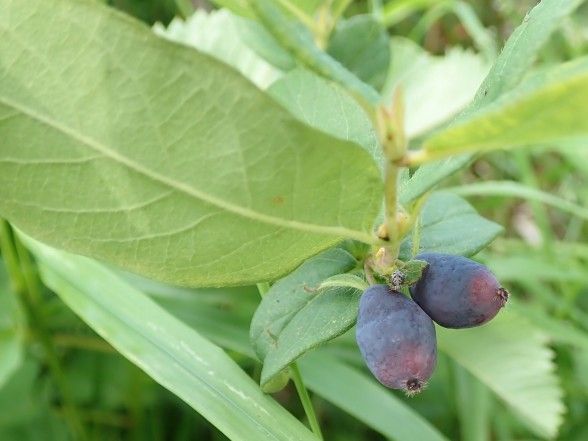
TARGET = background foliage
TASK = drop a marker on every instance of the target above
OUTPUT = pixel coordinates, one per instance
(150, 355)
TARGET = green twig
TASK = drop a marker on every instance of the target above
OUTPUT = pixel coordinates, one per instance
(305, 399)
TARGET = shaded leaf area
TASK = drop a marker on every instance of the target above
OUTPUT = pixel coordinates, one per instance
(511, 357)
(450, 225)
(361, 44)
(547, 108)
(295, 316)
(11, 338)
(170, 352)
(180, 169)
(517, 56)
(435, 88)
(328, 107)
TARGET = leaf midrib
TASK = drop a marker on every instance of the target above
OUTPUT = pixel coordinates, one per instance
(184, 188)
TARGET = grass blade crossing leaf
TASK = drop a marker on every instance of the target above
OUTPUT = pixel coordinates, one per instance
(173, 354)
(150, 155)
(515, 189)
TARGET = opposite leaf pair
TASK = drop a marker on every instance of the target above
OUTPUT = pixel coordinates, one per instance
(397, 338)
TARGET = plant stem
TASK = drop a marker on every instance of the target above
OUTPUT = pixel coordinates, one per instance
(305, 399)
(24, 278)
(391, 192)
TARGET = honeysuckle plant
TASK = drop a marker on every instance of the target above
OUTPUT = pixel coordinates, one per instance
(295, 151)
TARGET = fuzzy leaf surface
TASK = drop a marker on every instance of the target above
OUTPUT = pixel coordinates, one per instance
(152, 156)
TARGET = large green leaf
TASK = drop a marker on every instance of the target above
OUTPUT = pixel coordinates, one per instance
(150, 155)
(361, 396)
(170, 352)
(294, 316)
(328, 107)
(547, 108)
(11, 347)
(511, 357)
(361, 44)
(450, 225)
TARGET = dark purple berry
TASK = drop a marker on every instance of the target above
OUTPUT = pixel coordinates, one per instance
(396, 339)
(457, 292)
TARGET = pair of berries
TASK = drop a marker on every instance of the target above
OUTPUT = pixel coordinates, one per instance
(396, 336)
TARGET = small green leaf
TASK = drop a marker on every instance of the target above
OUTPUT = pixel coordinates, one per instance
(179, 169)
(345, 281)
(358, 394)
(512, 358)
(362, 45)
(450, 225)
(412, 271)
(11, 340)
(295, 316)
(330, 313)
(170, 352)
(326, 106)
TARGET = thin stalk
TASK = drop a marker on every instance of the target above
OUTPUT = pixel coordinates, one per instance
(391, 192)
(23, 276)
(416, 235)
(305, 399)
